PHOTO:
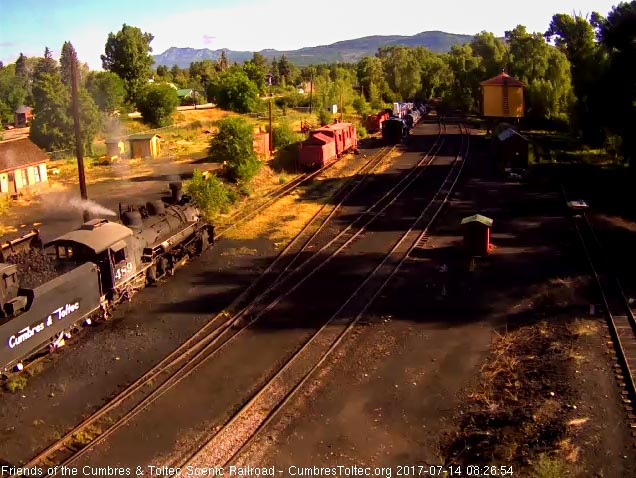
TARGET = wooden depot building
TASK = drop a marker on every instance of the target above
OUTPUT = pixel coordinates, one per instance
(22, 167)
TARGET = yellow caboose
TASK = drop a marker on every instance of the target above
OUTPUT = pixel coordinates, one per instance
(502, 97)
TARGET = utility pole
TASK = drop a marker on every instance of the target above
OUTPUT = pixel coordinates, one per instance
(78, 136)
(311, 90)
(271, 132)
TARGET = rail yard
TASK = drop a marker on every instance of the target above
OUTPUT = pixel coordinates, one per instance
(362, 342)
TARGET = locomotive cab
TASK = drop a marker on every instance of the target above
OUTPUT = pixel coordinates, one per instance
(11, 302)
(101, 242)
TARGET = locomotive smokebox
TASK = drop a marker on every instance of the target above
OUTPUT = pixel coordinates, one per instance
(176, 190)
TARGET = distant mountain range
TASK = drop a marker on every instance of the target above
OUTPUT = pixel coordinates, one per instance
(343, 51)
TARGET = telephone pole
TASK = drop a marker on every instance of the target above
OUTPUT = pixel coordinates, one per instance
(271, 131)
(311, 91)
(78, 136)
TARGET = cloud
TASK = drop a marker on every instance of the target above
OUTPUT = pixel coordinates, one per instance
(8, 44)
(208, 39)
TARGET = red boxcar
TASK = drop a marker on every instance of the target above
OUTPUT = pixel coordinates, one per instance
(374, 122)
(317, 151)
(344, 134)
(326, 144)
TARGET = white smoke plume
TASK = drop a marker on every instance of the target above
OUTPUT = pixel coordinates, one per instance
(90, 206)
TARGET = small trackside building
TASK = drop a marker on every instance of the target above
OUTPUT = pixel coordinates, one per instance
(144, 145)
(22, 167)
(477, 235)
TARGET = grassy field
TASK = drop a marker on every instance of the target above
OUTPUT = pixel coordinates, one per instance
(185, 141)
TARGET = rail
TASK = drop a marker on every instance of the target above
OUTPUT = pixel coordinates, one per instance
(65, 449)
(618, 311)
(243, 427)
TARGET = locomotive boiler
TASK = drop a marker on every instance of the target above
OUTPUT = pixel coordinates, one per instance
(90, 270)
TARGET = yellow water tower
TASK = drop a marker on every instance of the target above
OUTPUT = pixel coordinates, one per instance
(502, 97)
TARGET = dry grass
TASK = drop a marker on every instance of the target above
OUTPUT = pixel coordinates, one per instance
(280, 222)
(549, 467)
(583, 328)
(522, 406)
(239, 251)
(284, 219)
(386, 162)
(83, 438)
(16, 383)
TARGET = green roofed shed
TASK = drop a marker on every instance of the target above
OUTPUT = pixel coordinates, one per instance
(185, 93)
(486, 221)
(477, 235)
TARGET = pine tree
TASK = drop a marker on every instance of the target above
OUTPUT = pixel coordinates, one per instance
(52, 126)
(222, 64)
(67, 58)
(45, 65)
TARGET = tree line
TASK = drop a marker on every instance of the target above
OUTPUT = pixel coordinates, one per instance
(578, 75)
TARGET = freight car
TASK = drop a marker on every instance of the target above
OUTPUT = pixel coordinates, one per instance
(326, 144)
(374, 122)
(94, 268)
(394, 130)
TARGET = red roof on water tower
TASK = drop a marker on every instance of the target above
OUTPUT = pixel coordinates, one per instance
(501, 79)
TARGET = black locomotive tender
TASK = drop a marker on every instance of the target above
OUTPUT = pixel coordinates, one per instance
(96, 267)
(397, 127)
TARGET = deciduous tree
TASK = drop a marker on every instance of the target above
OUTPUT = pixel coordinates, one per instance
(127, 54)
(234, 145)
(233, 90)
(107, 90)
(618, 36)
(156, 104)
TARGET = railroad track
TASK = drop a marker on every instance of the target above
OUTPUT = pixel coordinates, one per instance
(618, 311)
(247, 213)
(231, 329)
(233, 438)
(183, 360)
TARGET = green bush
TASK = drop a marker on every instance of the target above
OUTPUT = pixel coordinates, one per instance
(233, 90)
(210, 195)
(157, 103)
(362, 132)
(233, 145)
(362, 107)
(283, 135)
(293, 100)
(324, 117)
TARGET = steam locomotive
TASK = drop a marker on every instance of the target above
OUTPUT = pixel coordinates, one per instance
(405, 117)
(93, 269)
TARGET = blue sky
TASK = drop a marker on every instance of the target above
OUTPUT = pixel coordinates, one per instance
(29, 25)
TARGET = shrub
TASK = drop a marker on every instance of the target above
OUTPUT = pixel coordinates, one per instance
(233, 90)
(324, 117)
(15, 383)
(157, 103)
(283, 135)
(362, 132)
(234, 145)
(362, 107)
(210, 195)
